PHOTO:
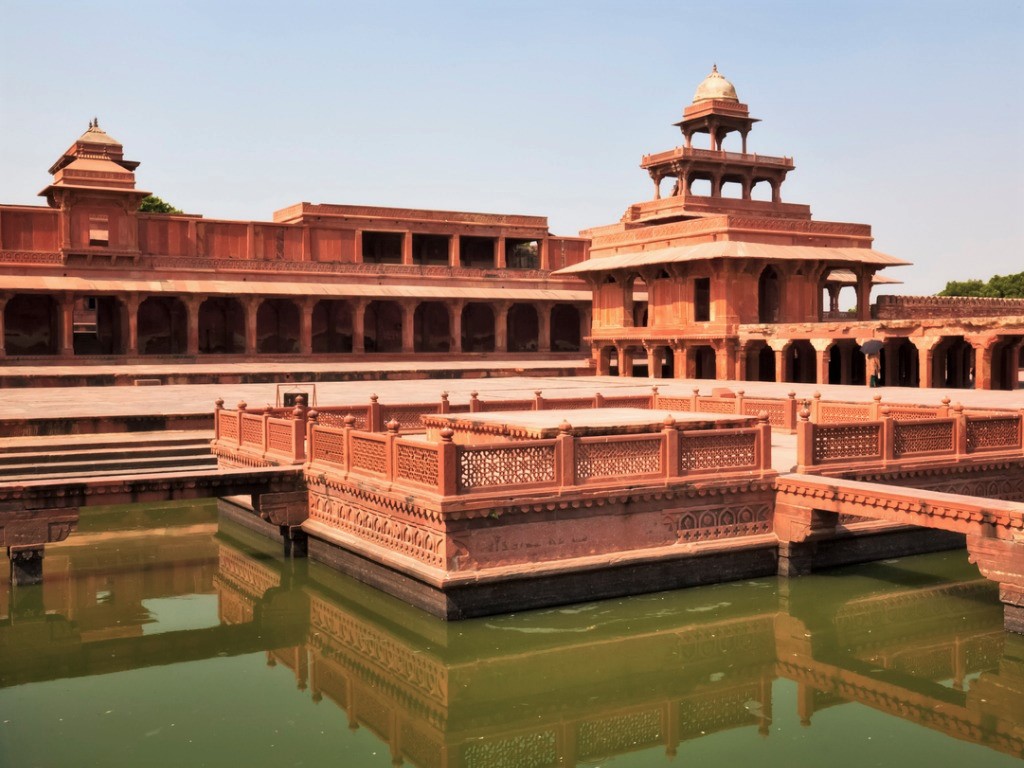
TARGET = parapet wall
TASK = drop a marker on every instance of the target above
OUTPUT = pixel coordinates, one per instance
(930, 307)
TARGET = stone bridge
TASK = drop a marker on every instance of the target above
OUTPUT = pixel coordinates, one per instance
(33, 514)
(810, 509)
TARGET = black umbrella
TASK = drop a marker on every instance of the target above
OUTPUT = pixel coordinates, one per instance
(871, 347)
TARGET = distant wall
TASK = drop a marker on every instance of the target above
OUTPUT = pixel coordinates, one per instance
(926, 307)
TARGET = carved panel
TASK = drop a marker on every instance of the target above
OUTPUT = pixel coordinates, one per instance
(408, 416)
(717, 450)
(416, 463)
(618, 734)
(831, 413)
(990, 434)
(568, 403)
(933, 437)
(675, 403)
(634, 401)
(507, 465)
(775, 409)
(846, 441)
(716, 405)
(723, 522)
(379, 528)
(618, 459)
(368, 454)
(279, 436)
(329, 446)
(252, 429)
(538, 749)
(228, 423)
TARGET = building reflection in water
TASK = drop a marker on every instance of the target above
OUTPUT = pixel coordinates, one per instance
(555, 687)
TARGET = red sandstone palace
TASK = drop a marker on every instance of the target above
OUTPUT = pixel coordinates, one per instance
(693, 283)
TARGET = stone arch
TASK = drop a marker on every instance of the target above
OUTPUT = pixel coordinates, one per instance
(703, 357)
(477, 328)
(383, 326)
(32, 325)
(523, 328)
(760, 361)
(431, 332)
(953, 363)
(278, 327)
(1005, 368)
(221, 326)
(800, 362)
(99, 325)
(332, 326)
(565, 328)
(769, 295)
(162, 326)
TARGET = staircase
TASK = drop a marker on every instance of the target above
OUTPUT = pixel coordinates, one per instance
(70, 457)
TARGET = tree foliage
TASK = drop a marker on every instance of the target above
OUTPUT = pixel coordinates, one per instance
(998, 287)
(153, 204)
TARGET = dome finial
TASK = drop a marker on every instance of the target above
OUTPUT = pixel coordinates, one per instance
(715, 87)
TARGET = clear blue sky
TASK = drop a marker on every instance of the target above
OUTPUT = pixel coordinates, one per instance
(904, 115)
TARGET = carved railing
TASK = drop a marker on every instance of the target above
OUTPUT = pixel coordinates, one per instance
(889, 442)
(450, 469)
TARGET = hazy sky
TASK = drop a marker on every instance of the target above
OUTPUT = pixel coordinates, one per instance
(903, 115)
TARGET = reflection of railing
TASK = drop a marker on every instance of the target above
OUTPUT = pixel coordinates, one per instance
(450, 469)
(888, 440)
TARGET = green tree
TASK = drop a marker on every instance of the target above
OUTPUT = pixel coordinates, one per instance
(998, 287)
(153, 204)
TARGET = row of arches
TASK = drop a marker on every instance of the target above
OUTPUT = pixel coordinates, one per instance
(948, 362)
(40, 324)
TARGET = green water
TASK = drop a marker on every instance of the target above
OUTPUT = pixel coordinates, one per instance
(164, 638)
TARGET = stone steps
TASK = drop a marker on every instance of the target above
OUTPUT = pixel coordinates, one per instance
(111, 454)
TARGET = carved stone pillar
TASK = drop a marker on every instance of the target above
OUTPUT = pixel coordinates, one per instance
(499, 252)
(681, 354)
(358, 326)
(822, 355)
(863, 295)
(306, 325)
(455, 325)
(3, 333)
(741, 360)
(543, 327)
(725, 359)
(501, 325)
(625, 360)
(131, 304)
(653, 360)
(544, 257)
(252, 305)
(192, 305)
(779, 347)
(407, 248)
(66, 346)
(409, 325)
(926, 362)
(892, 363)
(983, 346)
(454, 256)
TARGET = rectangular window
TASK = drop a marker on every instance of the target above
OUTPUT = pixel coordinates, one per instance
(702, 299)
(99, 229)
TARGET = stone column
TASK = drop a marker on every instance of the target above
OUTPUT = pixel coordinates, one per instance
(501, 326)
(192, 305)
(725, 359)
(925, 356)
(544, 255)
(863, 295)
(306, 325)
(454, 251)
(625, 360)
(741, 360)
(680, 360)
(252, 305)
(357, 247)
(358, 326)
(585, 323)
(67, 325)
(407, 248)
(409, 325)
(455, 325)
(822, 355)
(779, 347)
(983, 346)
(499, 252)
(892, 363)
(3, 307)
(131, 304)
(653, 361)
(543, 327)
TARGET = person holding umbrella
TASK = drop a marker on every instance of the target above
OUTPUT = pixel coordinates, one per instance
(871, 348)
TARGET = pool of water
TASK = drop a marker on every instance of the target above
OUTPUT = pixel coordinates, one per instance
(164, 637)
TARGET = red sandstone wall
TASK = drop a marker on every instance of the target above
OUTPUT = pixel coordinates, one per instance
(28, 229)
(927, 307)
